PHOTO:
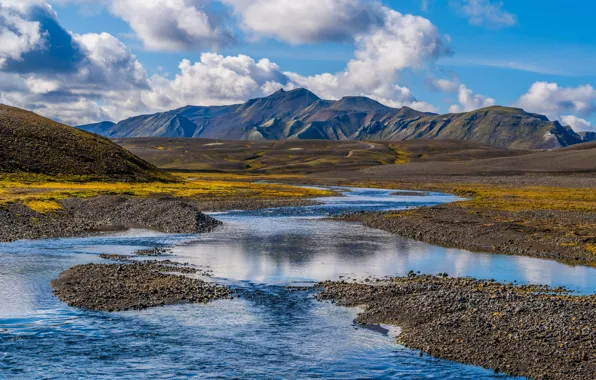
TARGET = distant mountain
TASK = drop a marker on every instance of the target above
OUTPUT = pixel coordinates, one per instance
(100, 128)
(300, 114)
(31, 143)
(588, 136)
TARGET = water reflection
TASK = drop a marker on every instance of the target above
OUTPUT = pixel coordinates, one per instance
(284, 250)
(269, 332)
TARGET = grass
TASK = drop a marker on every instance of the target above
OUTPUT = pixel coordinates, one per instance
(505, 198)
(517, 199)
(40, 193)
(43, 206)
(546, 213)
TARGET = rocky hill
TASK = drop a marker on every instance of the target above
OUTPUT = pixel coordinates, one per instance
(33, 144)
(300, 114)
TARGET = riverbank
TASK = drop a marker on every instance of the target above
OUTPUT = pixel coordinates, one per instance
(80, 217)
(551, 217)
(39, 207)
(531, 331)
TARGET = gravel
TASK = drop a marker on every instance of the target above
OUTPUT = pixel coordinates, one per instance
(531, 331)
(132, 286)
(81, 217)
(548, 234)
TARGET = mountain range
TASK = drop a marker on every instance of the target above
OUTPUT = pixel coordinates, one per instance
(300, 114)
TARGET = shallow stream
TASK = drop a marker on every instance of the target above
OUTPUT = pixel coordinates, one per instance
(268, 331)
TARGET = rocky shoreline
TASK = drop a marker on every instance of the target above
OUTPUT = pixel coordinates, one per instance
(529, 233)
(134, 285)
(82, 217)
(531, 331)
(89, 216)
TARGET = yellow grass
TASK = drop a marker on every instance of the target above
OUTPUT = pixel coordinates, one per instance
(40, 193)
(529, 198)
(506, 198)
(43, 207)
(591, 248)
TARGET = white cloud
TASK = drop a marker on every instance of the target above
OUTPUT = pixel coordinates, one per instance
(70, 77)
(110, 64)
(468, 101)
(308, 20)
(561, 103)
(401, 42)
(383, 51)
(215, 80)
(553, 101)
(103, 80)
(488, 13)
(172, 25)
(18, 35)
(444, 85)
(578, 124)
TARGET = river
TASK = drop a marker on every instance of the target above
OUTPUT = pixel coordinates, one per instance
(267, 331)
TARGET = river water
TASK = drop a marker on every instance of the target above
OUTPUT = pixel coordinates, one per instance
(268, 331)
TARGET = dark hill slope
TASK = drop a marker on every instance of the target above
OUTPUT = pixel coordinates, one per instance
(31, 143)
(300, 114)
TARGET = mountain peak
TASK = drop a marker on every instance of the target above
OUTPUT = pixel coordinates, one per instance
(295, 93)
(359, 103)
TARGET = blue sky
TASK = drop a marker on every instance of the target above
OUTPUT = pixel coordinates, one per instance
(459, 54)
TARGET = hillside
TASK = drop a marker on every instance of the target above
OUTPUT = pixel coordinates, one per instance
(31, 143)
(301, 115)
(298, 156)
(505, 127)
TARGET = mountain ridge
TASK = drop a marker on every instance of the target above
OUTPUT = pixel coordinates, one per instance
(300, 114)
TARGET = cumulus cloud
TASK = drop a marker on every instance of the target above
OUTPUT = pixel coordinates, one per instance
(577, 123)
(68, 77)
(444, 85)
(308, 20)
(553, 100)
(99, 78)
(109, 63)
(401, 42)
(215, 80)
(561, 103)
(32, 40)
(17, 34)
(487, 13)
(468, 101)
(173, 25)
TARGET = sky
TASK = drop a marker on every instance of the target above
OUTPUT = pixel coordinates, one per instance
(83, 61)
